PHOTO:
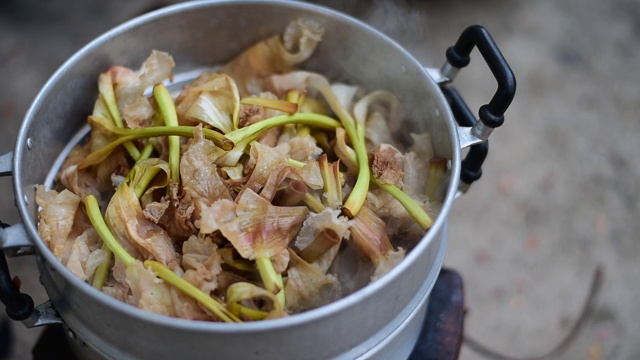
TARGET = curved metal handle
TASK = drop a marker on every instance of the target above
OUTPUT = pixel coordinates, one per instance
(491, 114)
(474, 133)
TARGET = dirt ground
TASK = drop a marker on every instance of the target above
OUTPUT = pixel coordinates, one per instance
(558, 196)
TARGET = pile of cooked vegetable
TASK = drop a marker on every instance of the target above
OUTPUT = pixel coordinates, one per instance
(259, 191)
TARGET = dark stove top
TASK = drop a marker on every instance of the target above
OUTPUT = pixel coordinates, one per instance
(440, 338)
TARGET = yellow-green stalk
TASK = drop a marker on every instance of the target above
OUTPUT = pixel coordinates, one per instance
(243, 291)
(271, 279)
(102, 271)
(339, 180)
(358, 194)
(229, 258)
(296, 163)
(293, 96)
(413, 208)
(315, 120)
(168, 112)
(312, 203)
(145, 180)
(183, 285)
(100, 155)
(106, 90)
(329, 180)
(274, 104)
(93, 212)
(303, 131)
(146, 151)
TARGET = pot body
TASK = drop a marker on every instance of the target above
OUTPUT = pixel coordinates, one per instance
(380, 321)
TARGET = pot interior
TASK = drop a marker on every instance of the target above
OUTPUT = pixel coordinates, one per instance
(200, 35)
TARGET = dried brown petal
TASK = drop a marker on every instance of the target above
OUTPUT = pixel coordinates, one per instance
(137, 234)
(308, 287)
(261, 229)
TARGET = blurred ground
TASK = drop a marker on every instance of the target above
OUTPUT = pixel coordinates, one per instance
(559, 190)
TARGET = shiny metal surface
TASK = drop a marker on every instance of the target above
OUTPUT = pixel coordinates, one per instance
(443, 75)
(197, 34)
(43, 314)
(481, 131)
(5, 164)
(468, 137)
(15, 241)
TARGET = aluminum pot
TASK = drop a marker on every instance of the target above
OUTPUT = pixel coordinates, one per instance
(380, 321)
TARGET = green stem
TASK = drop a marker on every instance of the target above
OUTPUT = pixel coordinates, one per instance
(275, 104)
(338, 180)
(330, 186)
(295, 163)
(93, 211)
(168, 112)
(146, 152)
(145, 180)
(412, 207)
(181, 284)
(417, 213)
(228, 258)
(109, 98)
(316, 120)
(359, 193)
(271, 279)
(239, 292)
(132, 150)
(98, 156)
(247, 313)
(102, 271)
(312, 203)
(303, 131)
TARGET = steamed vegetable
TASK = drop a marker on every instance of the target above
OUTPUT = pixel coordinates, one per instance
(259, 191)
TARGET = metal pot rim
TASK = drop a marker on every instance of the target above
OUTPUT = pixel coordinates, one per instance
(297, 319)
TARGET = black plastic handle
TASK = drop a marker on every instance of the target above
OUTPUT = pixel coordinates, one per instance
(491, 114)
(471, 167)
(19, 306)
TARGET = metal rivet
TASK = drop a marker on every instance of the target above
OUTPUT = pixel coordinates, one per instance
(29, 143)
(71, 335)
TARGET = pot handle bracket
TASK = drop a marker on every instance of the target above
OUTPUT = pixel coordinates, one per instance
(14, 241)
(19, 306)
(474, 133)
